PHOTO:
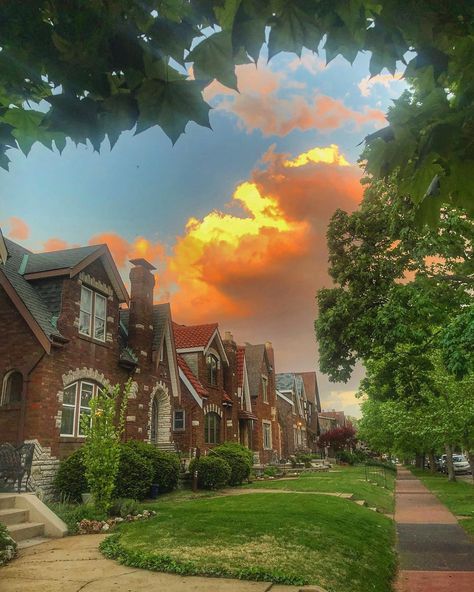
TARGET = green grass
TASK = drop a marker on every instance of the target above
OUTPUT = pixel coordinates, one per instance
(292, 539)
(342, 480)
(458, 496)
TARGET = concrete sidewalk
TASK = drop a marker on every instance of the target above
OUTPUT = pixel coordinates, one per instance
(74, 564)
(436, 554)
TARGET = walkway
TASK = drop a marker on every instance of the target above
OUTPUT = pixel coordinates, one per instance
(75, 564)
(436, 555)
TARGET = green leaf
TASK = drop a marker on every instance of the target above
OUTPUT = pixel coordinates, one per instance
(248, 31)
(120, 113)
(171, 105)
(226, 13)
(214, 58)
(292, 30)
(172, 39)
(28, 129)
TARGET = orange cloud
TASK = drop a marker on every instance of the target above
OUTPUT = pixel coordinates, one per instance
(123, 250)
(18, 228)
(276, 116)
(55, 244)
(366, 84)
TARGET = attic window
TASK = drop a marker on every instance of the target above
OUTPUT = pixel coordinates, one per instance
(92, 318)
(212, 367)
(265, 389)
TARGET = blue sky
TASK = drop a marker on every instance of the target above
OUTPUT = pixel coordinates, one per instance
(147, 188)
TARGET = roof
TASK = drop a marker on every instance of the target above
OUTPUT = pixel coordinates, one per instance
(285, 398)
(311, 388)
(55, 260)
(194, 336)
(161, 314)
(240, 365)
(247, 415)
(254, 356)
(226, 400)
(36, 310)
(194, 381)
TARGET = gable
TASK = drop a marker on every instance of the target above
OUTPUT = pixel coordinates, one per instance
(3, 249)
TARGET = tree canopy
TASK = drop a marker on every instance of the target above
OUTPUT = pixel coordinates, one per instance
(402, 292)
(90, 69)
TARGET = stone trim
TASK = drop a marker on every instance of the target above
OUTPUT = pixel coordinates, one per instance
(212, 408)
(43, 469)
(96, 284)
(85, 374)
(160, 391)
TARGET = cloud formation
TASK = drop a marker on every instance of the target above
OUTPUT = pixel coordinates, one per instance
(273, 103)
(386, 80)
(18, 229)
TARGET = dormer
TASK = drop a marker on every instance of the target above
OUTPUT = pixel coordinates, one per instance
(3, 249)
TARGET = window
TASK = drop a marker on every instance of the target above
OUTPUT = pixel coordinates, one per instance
(265, 389)
(93, 314)
(212, 428)
(178, 419)
(154, 421)
(212, 367)
(12, 388)
(76, 404)
(267, 435)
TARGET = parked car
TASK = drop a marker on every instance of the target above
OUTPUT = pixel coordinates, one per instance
(460, 464)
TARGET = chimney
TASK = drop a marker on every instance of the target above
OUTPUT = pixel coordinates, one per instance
(140, 324)
(270, 353)
(228, 336)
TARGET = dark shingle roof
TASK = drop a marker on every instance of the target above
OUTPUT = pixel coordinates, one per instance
(286, 382)
(27, 293)
(254, 355)
(161, 314)
(65, 259)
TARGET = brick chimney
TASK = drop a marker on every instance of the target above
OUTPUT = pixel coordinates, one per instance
(270, 353)
(140, 324)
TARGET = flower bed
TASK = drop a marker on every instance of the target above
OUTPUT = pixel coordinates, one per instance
(86, 526)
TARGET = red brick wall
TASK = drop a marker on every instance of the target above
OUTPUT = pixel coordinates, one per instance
(286, 419)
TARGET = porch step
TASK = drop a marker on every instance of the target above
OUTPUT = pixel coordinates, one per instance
(26, 530)
(166, 446)
(13, 516)
(7, 501)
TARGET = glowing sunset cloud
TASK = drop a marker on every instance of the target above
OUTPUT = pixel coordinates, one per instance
(18, 229)
(329, 155)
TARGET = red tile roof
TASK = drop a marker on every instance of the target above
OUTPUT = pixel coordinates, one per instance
(193, 336)
(201, 391)
(226, 398)
(240, 365)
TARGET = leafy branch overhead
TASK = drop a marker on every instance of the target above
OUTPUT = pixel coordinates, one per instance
(93, 69)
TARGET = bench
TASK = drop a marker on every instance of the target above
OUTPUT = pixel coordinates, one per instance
(15, 463)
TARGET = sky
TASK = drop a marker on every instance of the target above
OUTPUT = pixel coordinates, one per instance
(234, 218)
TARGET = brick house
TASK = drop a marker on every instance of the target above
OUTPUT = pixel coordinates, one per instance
(260, 365)
(64, 337)
(208, 386)
(291, 387)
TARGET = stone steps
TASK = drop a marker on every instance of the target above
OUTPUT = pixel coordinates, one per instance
(18, 522)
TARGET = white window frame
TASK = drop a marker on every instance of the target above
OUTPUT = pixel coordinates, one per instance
(183, 411)
(93, 315)
(78, 407)
(265, 433)
(265, 388)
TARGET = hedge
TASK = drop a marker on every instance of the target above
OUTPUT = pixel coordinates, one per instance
(165, 465)
(240, 460)
(213, 471)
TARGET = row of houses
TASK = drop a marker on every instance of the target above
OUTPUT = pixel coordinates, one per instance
(70, 328)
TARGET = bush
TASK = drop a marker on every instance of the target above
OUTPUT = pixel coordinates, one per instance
(240, 460)
(165, 465)
(305, 458)
(70, 481)
(71, 514)
(270, 471)
(123, 506)
(372, 462)
(8, 546)
(346, 457)
(135, 474)
(213, 471)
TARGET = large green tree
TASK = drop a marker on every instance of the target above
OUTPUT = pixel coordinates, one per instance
(87, 69)
(401, 292)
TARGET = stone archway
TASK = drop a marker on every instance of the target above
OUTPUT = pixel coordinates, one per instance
(159, 416)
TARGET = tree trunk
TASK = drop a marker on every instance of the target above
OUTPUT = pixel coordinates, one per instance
(432, 462)
(449, 462)
(419, 461)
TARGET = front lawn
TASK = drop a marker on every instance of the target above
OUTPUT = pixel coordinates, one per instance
(458, 496)
(341, 480)
(293, 539)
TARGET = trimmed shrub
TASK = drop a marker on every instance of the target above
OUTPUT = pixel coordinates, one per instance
(240, 460)
(135, 474)
(70, 481)
(346, 457)
(165, 465)
(270, 471)
(213, 471)
(8, 546)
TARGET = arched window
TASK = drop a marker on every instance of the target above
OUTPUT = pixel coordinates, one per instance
(76, 403)
(154, 421)
(12, 388)
(212, 367)
(212, 428)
